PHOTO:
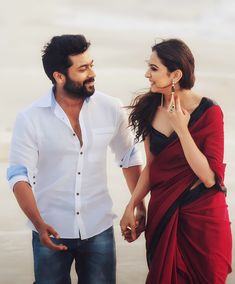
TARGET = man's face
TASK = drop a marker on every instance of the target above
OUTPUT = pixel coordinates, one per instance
(80, 76)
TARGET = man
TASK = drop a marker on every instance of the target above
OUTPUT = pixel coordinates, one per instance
(58, 168)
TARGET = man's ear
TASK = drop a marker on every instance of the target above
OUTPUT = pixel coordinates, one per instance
(59, 78)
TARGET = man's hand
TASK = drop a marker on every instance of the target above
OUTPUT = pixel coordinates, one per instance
(132, 226)
(140, 220)
(25, 197)
(45, 231)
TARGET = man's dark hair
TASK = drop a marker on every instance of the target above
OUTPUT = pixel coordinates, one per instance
(55, 54)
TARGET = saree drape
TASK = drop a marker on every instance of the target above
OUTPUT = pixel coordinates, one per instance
(188, 234)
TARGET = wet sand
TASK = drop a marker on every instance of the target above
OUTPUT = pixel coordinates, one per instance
(121, 42)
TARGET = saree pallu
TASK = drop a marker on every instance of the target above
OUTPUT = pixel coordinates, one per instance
(188, 234)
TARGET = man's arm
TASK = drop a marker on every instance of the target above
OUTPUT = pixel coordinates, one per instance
(27, 203)
(132, 175)
(23, 161)
(128, 221)
(129, 159)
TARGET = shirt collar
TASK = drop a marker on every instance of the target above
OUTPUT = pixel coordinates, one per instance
(47, 100)
(50, 101)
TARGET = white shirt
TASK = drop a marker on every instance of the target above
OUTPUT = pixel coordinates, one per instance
(70, 181)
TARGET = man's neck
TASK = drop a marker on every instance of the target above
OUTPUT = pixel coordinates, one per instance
(71, 106)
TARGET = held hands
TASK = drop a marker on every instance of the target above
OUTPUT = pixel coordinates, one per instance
(178, 117)
(45, 231)
(132, 226)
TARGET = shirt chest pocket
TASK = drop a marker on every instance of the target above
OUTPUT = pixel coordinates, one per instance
(101, 138)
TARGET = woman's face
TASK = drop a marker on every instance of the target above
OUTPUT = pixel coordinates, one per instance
(160, 78)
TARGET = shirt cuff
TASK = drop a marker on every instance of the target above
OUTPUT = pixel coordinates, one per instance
(17, 173)
(15, 179)
(131, 158)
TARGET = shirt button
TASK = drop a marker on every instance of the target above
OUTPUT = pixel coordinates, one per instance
(74, 134)
(79, 173)
(77, 193)
(81, 153)
(34, 182)
(77, 213)
(120, 166)
(33, 176)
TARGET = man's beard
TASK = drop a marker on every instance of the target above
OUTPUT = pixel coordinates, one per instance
(77, 90)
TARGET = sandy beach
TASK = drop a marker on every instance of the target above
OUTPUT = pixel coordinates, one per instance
(121, 35)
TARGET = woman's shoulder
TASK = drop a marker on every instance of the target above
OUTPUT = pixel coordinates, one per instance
(209, 101)
(211, 109)
(204, 102)
(207, 108)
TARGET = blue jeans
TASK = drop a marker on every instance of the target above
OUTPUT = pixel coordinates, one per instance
(95, 260)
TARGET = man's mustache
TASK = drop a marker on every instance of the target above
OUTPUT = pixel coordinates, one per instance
(89, 81)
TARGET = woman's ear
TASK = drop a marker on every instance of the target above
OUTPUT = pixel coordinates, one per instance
(177, 75)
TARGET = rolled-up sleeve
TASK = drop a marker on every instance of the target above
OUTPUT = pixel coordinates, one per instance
(122, 144)
(16, 173)
(23, 152)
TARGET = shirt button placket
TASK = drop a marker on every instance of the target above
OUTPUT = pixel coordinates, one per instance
(80, 162)
(77, 193)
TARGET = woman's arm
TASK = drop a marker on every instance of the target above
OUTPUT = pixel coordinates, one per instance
(142, 188)
(195, 158)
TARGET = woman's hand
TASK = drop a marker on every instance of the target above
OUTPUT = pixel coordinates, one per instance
(140, 218)
(178, 117)
(128, 224)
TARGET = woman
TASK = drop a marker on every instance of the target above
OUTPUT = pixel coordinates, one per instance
(188, 235)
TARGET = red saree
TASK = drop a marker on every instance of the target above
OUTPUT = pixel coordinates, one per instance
(188, 235)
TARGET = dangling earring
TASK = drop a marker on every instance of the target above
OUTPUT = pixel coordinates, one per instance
(172, 104)
(162, 100)
(172, 88)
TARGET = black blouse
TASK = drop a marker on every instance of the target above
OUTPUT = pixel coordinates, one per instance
(158, 140)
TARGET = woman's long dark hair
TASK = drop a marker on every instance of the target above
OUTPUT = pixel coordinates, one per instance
(174, 54)
(143, 109)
